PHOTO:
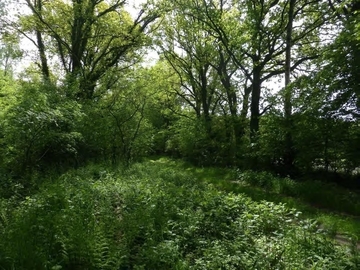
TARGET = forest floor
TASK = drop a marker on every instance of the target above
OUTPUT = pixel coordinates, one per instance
(343, 226)
(167, 214)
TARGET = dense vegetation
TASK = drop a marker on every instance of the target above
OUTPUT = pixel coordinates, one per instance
(265, 91)
(152, 216)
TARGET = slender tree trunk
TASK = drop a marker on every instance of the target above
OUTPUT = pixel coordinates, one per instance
(245, 106)
(289, 151)
(43, 59)
(255, 103)
(41, 46)
(236, 126)
(326, 153)
(204, 99)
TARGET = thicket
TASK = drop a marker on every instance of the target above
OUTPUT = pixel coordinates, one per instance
(152, 216)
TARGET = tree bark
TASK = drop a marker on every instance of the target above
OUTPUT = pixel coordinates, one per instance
(41, 46)
(245, 105)
(205, 97)
(255, 103)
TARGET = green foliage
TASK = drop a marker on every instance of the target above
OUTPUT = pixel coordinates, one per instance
(39, 128)
(64, 224)
(339, 74)
(91, 39)
(321, 143)
(10, 52)
(7, 98)
(118, 127)
(152, 216)
(223, 179)
(216, 58)
(189, 139)
(320, 194)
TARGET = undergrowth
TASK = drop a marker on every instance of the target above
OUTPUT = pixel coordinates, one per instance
(320, 194)
(154, 216)
(336, 209)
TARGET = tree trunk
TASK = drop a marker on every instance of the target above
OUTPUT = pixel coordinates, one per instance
(236, 124)
(43, 59)
(245, 106)
(255, 103)
(41, 46)
(204, 98)
(289, 151)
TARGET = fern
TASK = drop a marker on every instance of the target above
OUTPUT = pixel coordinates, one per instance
(4, 221)
(102, 252)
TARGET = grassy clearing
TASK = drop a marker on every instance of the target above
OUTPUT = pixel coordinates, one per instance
(334, 208)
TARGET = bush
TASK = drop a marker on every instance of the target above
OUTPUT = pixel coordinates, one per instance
(39, 129)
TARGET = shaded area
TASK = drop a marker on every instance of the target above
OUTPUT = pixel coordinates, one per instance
(335, 209)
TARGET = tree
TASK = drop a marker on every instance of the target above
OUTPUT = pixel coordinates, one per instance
(37, 8)
(10, 51)
(340, 63)
(188, 48)
(89, 37)
(119, 126)
(253, 34)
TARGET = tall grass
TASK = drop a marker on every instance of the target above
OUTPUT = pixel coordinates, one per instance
(334, 217)
(156, 216)
(322, 195)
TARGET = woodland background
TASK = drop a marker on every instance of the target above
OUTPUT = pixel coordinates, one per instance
(268, 88)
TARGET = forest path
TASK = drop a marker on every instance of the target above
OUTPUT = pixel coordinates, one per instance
(342, 227)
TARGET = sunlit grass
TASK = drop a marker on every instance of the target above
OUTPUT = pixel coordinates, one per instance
(335, 220)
